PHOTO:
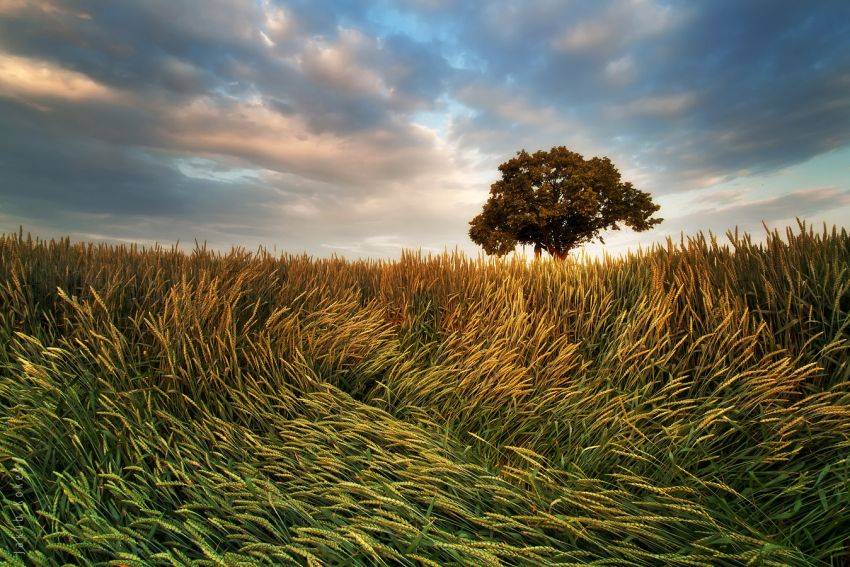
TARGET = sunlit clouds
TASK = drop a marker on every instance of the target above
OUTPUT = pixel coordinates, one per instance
(35, 82)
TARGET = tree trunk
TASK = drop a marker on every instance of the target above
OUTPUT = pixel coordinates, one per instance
(557, 253)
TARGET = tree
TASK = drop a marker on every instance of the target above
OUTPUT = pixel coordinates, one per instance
(557, 200)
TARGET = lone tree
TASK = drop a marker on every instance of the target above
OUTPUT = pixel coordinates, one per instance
(557, 200)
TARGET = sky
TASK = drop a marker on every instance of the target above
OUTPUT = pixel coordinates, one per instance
(357, 128)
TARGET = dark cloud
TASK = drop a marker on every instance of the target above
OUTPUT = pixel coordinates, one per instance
(771, 83)
(155, 46)
(720, 88)
(45, 163)
(88, 176)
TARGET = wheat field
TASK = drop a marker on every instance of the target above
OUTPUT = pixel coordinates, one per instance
(688, 404)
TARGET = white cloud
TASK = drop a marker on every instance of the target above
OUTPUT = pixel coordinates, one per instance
(266, 39)
(279, 24)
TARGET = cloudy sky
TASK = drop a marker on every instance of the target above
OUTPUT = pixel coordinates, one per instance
(359, 128)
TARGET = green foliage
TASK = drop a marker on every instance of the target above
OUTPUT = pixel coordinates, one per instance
(557, 200)
(688, 405)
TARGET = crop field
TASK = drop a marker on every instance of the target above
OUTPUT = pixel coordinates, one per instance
(684, 405)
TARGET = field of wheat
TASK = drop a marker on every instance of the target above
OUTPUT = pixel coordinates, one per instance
(684, 405)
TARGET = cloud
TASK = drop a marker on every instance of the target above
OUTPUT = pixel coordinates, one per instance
(336, 66)
(621, 71)
(279, 24)
(17, 7)
(722, 211)
(262, 136)
(721, 198)
(509, 107)
(618, 24)
(749, 215)
(32, 80)
(660, 105)
(350, 123)
(690, 92)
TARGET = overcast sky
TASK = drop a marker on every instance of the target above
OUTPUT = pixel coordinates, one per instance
(359, 128)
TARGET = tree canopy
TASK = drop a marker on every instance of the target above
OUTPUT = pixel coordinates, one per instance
(557, 200)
